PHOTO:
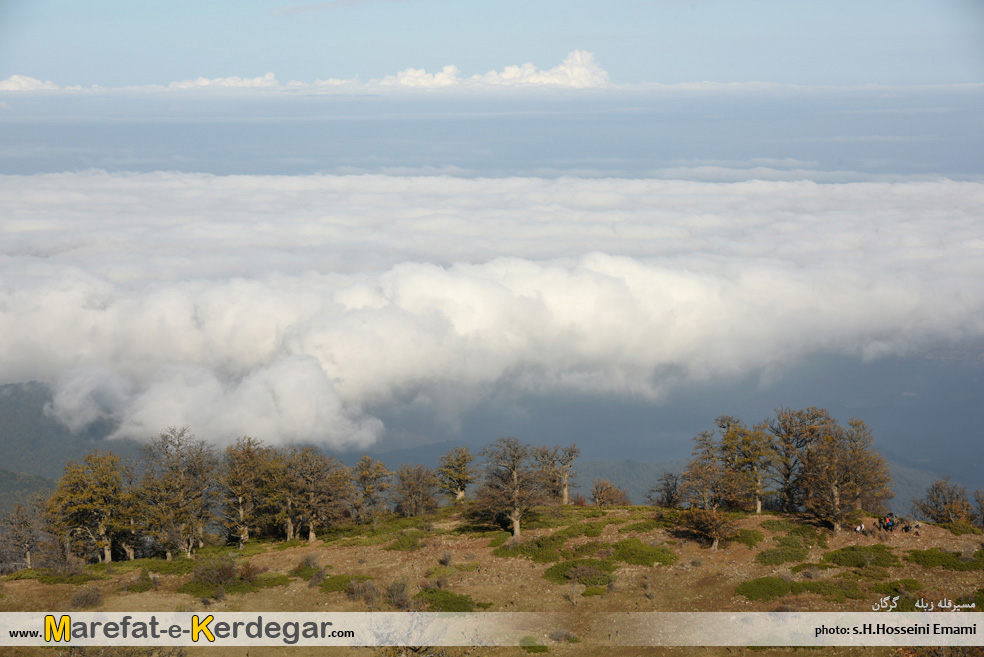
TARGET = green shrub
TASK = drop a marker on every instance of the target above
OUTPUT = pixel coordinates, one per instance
(859, 556)
(408, 541)
(593, 591)
(960, 528)
(585, 550)
(748, 537)
(292, 543)
(809, 536)
(142, 584)
(764, 588)
(818, 566)
(641, 527)
(777, 525)
(529, 644)
(634, 551)
(835, 591)
(780, 555)
(164, 567)
(262, 581)
(339, 583)
(444, 600)
(898, 587)
(499, 539)
(937, 558)
(558, 572)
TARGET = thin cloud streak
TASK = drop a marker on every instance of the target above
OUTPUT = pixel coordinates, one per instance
(288, 306)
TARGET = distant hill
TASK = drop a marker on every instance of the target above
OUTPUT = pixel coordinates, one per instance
(35, 443)
(19, 487)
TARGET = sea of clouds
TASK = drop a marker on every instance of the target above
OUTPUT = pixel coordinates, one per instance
(286, 307)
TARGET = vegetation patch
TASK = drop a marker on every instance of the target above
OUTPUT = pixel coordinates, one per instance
(960, 528)
(250, 548)
(898, 587)
(634, 551)
(340, 583)
(541, 549)
(550, 517)
(764, 588)
(781, 555)
(531, 645)
(809, 536)
(590, 572)
(937, 558)
(292, 543)
(585, 550)
(142, 584)
(499, 539)
(641, 527)
(777, 525)
(817, 566)
(45, 576)
(408, 541)
(859, 556)
(835, 591)
(592, 591)
(748, 537)
(444, 600)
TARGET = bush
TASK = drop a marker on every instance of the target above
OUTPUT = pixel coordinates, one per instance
(781, 555)
(748, 537)
(444, 600)
(317, 577)
(558, 572)
(859, 556)
(937, 558)
(835, 591)
(446, 559)
(398, 595)
(86, 598)
(960, 528)
(530, 644)
(408, 541)
(340, 583)
(634, 551)
(220, 570)
(764, 588)
(366, 590)
(587, 575)
(898, 587)
(142, 583)
(777, 525)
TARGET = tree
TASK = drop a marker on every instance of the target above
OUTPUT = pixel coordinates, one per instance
(455, 473)
(842, 472)
(242, 481)
(705, 482)
(666, 493)
(20, 535)
(747, 455)
(414, 491)
(280, 490)
(556, 467)
(710, 525)
(944, 502)
(88, 503)
(513, 483)
(791, 435)
(605, 493)
(178, 490)
(322, 486)
(371, 480)
(979, 500)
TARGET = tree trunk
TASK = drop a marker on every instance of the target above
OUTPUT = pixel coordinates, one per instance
(131, 554)
(27, 558)
(289, 528)
(108, 552)
(167, 555)
(758, 505)
(514, 518)
(714, 543)
(459, 496)
(311, 536)
(565, 492)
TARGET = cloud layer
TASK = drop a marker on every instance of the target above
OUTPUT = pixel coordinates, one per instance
(289, 307)
(579, 70)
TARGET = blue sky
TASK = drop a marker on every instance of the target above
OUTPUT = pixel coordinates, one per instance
(116, 43)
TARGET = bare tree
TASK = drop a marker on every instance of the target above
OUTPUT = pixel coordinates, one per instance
(557, 467)
(944, 502)
(455, 473)
(605, 493)
(414, 490)
(666, 492)
(20, 536)
(513, 483)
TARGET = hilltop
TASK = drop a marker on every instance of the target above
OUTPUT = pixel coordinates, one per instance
(578, 561)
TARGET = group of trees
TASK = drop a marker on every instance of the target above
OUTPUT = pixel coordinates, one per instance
(947, 502)
(803, 459)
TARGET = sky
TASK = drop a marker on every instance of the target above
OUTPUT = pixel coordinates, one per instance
(379, 224)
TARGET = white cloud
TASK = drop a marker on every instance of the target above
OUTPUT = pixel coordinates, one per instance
(579, 70)
(25, 83)
(288, 307)
(420, 78)
(268, 81)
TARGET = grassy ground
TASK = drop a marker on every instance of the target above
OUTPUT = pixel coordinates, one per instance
(611, 560)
